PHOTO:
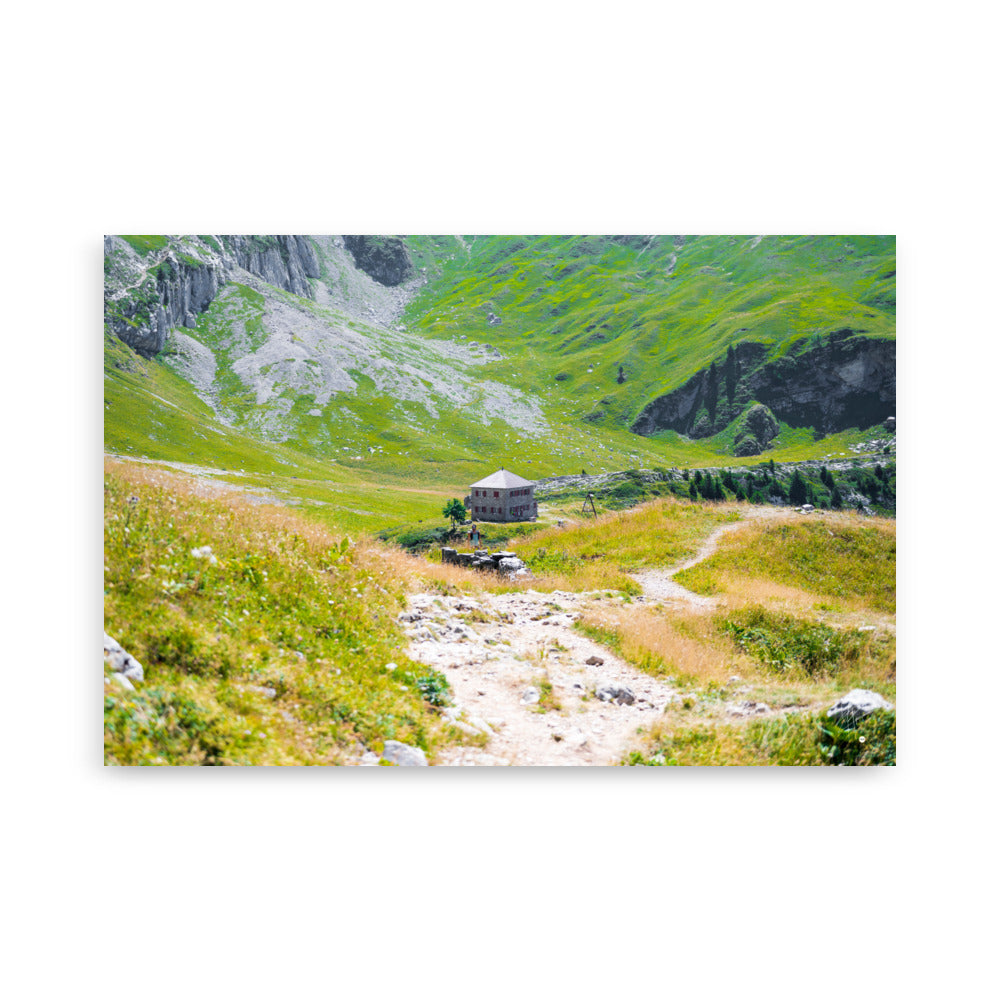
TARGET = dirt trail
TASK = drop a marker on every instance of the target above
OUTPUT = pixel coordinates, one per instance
(659, 584)
(498, 668)
(499, 651)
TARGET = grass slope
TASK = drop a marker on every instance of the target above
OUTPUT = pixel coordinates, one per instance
(272, 649)
(660, 307)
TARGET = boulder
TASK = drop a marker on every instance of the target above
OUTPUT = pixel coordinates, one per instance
(530, 696)
(619, 695)
(403, 755)
(120, 661)
(855, 705)
(594, 661)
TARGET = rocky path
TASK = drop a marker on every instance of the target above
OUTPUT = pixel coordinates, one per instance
(500, 653)
(535, 690)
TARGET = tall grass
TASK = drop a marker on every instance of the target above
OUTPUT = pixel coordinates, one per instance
(270, 650)
(599, 553)
(685, 648)
(838, 556)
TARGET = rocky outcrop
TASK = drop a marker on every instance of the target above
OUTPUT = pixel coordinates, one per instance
(384, 258)
(845, 380)
(855, 705)
(286, 262)
(126, 669)
(175, 286)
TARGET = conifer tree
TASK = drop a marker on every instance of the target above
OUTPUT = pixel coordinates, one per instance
(797, 493)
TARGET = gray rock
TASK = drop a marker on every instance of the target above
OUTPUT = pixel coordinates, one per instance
(123, 681)
(369, 759)
(745, 708)
(594, 661)
(172, 290)
(120, 661)
(403, 755)
(530, 696)
(855, 705)
(619, 695)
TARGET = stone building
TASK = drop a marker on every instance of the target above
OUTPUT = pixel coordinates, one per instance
(503, 496)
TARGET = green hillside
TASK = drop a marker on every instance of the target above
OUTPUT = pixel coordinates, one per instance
(661, 307)
(370, 406)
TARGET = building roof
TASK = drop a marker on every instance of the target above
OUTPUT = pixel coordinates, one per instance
(502, 480)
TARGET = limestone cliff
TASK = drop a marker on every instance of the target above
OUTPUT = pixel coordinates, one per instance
(148, 291)
(843, 380)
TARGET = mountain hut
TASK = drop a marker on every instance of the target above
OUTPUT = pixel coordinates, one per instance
(503, 496)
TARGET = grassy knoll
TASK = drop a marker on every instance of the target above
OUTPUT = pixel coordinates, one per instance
(849, 560)
(598, 553)
(269, 650)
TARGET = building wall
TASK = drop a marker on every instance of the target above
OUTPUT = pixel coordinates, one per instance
(508, 505)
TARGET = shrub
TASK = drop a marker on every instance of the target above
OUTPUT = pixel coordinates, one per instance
(790, 740)
(782, 642)
(435, 688)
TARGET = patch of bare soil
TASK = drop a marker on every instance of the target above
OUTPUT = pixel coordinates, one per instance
(500, 653)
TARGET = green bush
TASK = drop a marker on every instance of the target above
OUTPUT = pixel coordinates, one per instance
(435, 688)
(783, 642)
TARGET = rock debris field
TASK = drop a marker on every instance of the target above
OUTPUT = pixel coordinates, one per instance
(501, 651)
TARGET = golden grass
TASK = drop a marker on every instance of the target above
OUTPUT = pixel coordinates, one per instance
(655, 534)
(845, 559)
(684, 645)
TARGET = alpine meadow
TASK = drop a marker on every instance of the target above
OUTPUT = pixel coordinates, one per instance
(500, 500)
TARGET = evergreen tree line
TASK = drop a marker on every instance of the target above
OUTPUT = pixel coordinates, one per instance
(759, 486)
